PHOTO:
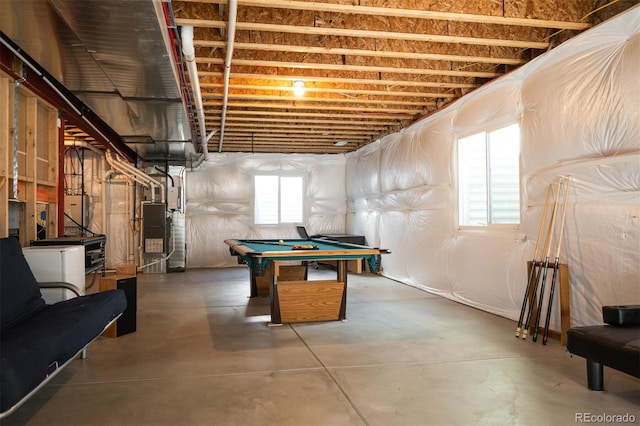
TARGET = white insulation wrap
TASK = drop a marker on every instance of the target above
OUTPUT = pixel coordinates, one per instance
(108, 196)
(579, 111)
(220, 201)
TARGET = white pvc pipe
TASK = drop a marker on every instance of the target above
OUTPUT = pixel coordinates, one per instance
(138, 175)
(231, 35)
(130, 235)
(125, 172)
(106, 177)
(189, 52)
(83, 144)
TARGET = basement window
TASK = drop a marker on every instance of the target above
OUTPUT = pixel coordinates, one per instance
(278, 199)
(489, 177)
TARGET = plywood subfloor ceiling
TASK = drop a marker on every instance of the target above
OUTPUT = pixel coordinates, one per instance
(369, 67)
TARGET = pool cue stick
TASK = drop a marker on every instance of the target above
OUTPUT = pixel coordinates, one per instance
(541, 267)
(270, 243)
(546, 270)
(545, 335)
(278, 243)
(527, 294)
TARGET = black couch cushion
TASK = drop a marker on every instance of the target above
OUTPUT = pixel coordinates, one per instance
(20, 295)
(616, 347)
(34, 348)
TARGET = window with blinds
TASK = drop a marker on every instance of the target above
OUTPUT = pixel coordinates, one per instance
(489, 177)
(278, 199)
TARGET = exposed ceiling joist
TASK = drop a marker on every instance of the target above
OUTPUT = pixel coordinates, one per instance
(376, 35)
(373, 67)
(406, 13)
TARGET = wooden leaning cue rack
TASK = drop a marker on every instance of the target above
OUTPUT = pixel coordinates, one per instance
(537, 269)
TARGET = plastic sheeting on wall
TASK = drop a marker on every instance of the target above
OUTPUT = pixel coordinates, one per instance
(579, 111)
(220, 194)
(108, 200)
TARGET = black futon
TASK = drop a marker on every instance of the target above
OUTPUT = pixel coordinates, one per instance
(36, 339)
(615, 344)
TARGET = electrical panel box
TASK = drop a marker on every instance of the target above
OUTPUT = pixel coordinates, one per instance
(174, 198)
(77, 208)
(154, 227)
(16, 216)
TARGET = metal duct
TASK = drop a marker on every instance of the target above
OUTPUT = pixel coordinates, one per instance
(113, 57)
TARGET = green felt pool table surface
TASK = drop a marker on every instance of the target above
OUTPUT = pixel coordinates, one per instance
(292, 249)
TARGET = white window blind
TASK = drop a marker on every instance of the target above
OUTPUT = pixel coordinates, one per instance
(278, 199)
(472, 160)
(291, 199)
(504, 175)
(266, 200)
(489, 177)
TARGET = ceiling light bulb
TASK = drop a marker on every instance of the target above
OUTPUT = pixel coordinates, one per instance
(340, 143)
(298, 88)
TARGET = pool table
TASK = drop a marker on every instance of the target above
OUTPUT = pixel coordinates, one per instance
(300, 300)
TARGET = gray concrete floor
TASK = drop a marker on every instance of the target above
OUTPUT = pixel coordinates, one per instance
(203, 355)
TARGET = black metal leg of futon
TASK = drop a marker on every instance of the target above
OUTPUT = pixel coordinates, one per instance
(595, 375)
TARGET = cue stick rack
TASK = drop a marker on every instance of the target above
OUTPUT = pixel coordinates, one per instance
(564, 301)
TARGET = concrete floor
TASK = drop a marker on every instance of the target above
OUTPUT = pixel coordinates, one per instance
(203, 355)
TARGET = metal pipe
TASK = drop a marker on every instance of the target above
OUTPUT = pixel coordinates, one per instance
(189, 53)
(231, 35)
(16, 132)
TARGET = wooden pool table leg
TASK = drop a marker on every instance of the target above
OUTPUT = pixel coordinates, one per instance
(276, 317)
(253, 292)
(342, 277)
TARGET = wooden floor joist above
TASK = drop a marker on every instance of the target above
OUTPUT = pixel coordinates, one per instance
(305, 74)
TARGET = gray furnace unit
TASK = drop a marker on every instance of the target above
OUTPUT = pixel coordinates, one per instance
(154, 228)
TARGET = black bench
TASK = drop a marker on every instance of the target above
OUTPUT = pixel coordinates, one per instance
(37, 340)
(616, 344)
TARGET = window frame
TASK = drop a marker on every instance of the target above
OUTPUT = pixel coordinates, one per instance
(279, 175)
(489, 227)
